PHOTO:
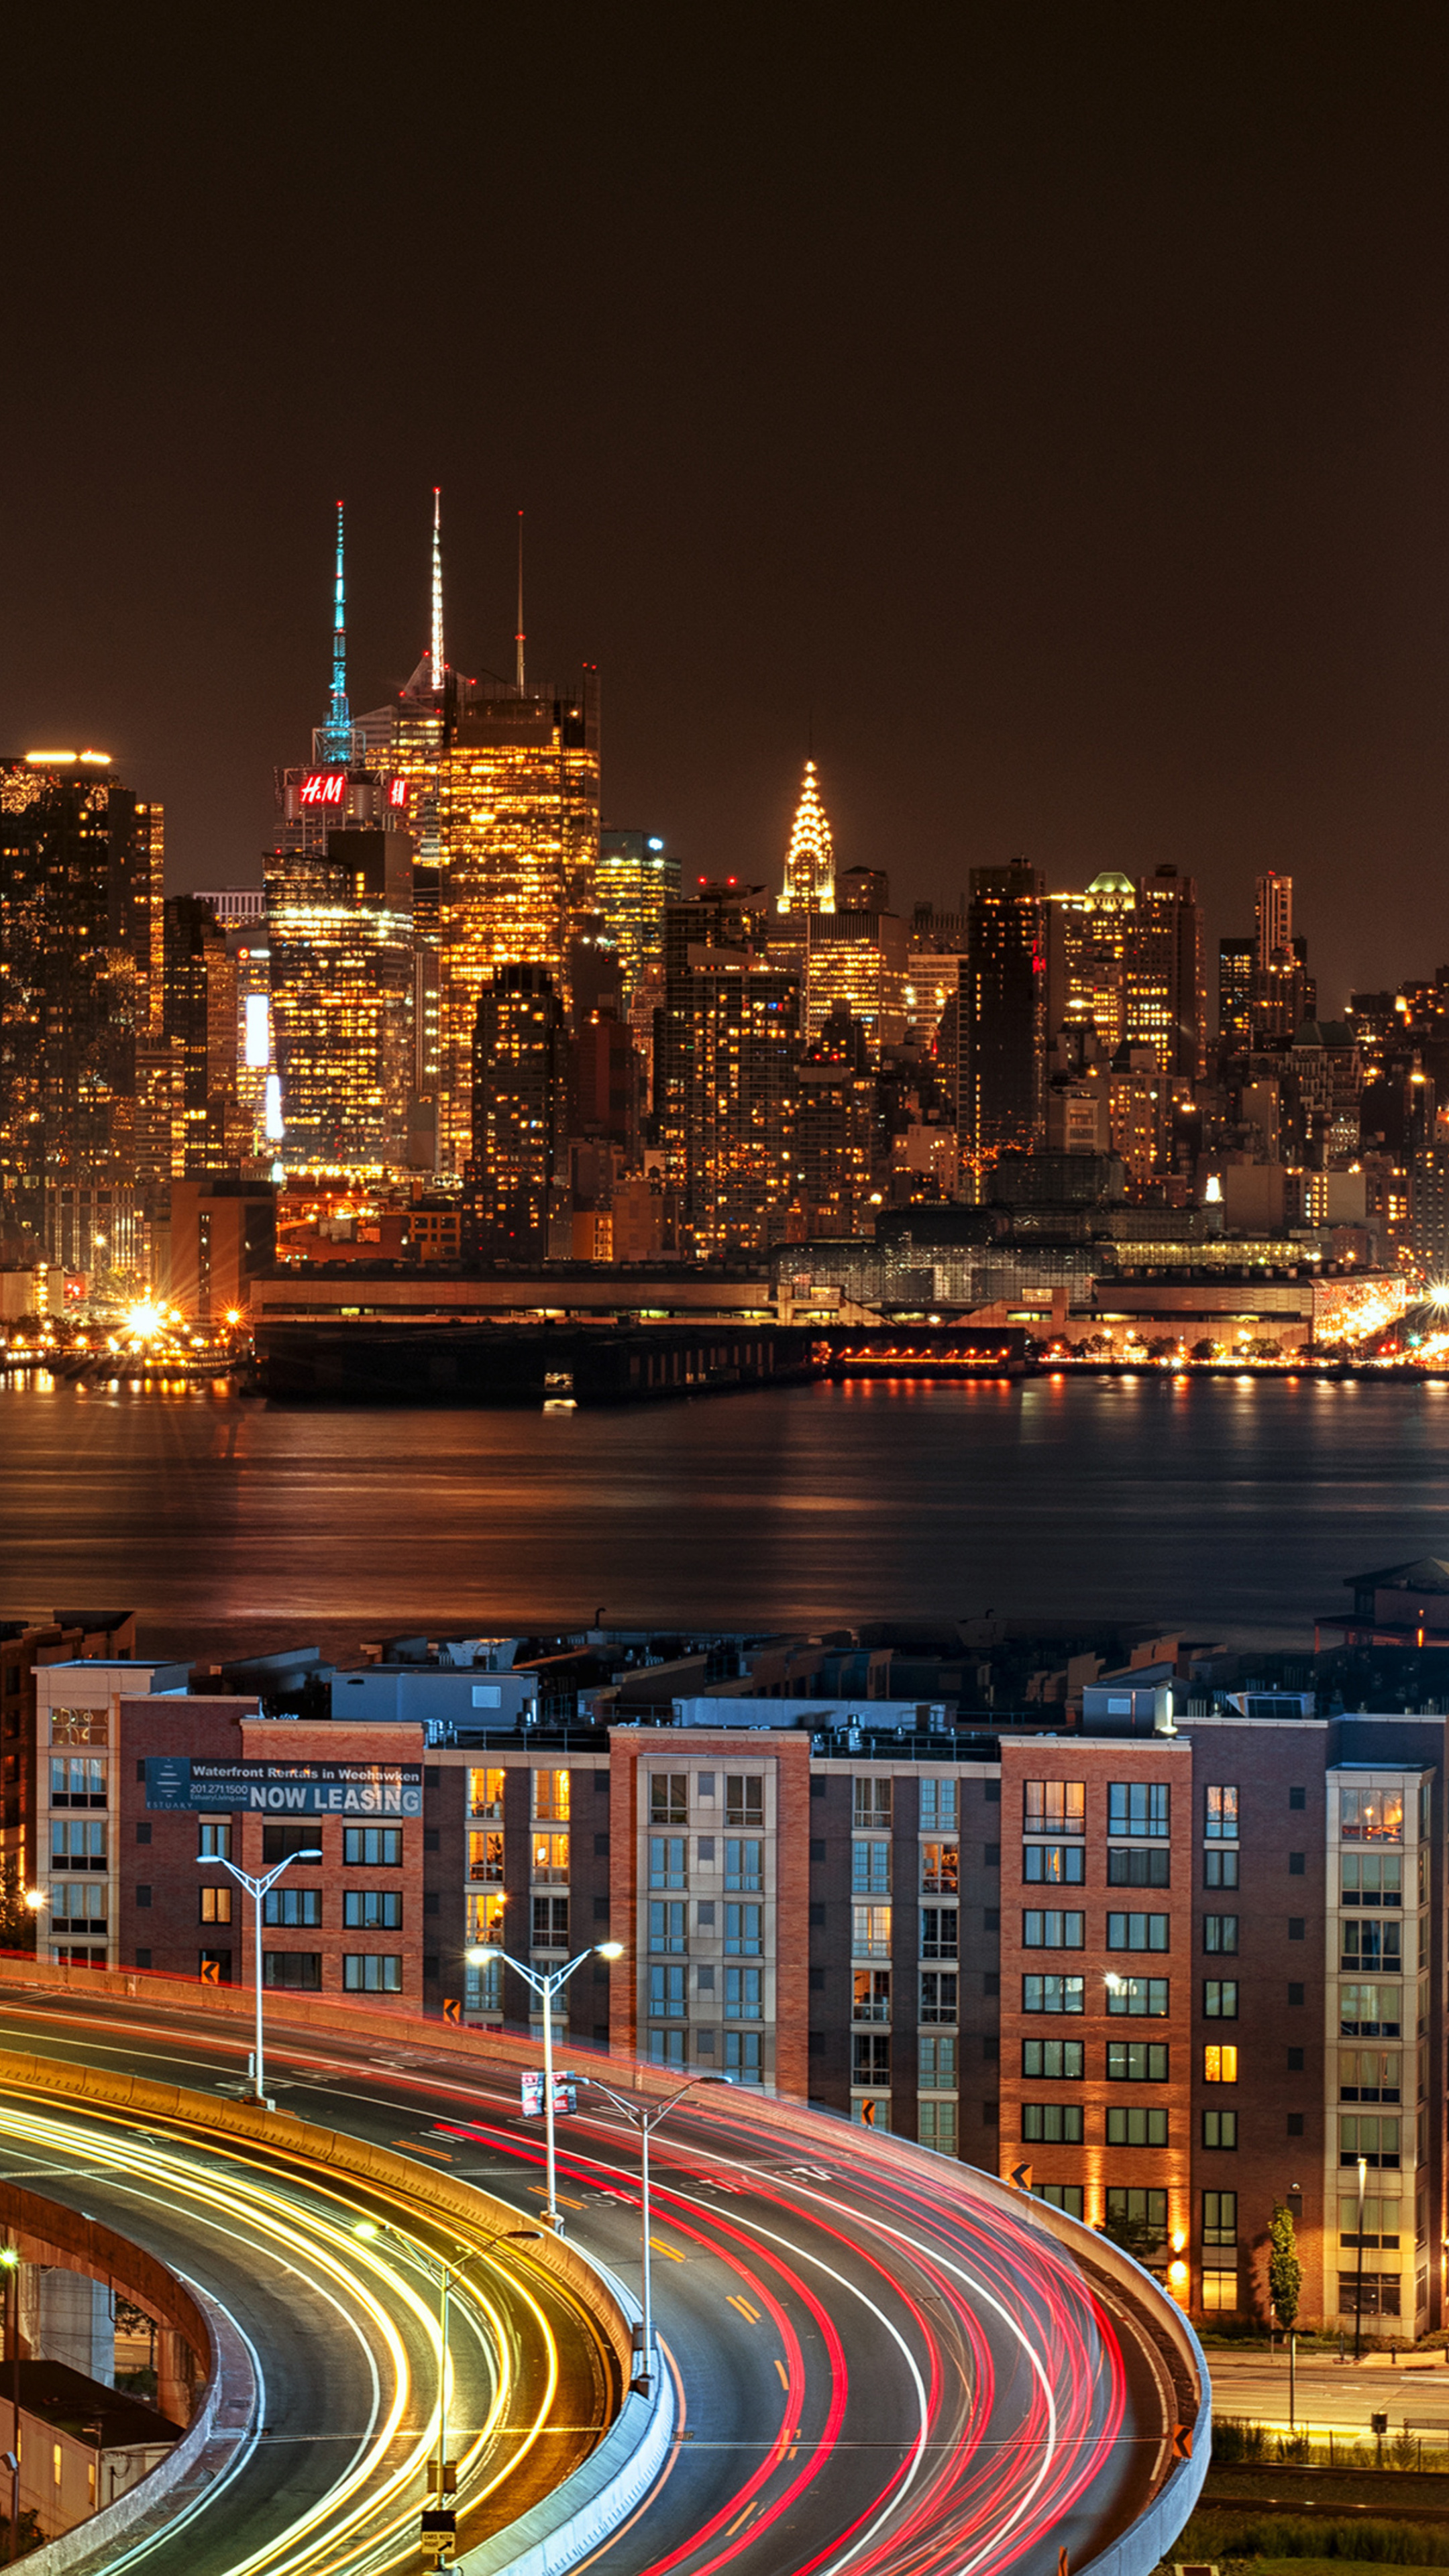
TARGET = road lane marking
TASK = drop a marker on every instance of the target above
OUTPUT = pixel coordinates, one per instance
(746, 2310)
(540, 2192)
(671, 2250)
(415, 2147)
(784, 2374)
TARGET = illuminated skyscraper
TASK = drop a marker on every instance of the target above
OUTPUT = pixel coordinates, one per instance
(810, 860)
(725, 1092)
(80, 970)
(834, 1133)
(199, 1013)
(1003, 1017)
(517, 1177)
(637, 877)
(1273, 916)
(340, 936)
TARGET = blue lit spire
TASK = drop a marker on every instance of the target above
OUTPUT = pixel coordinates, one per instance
(334, 739)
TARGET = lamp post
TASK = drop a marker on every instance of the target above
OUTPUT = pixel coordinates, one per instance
(1358, 2291)
(546, 1983)
(256, 1889)
(646, 2122)
(10, 2259)
(368, 2229)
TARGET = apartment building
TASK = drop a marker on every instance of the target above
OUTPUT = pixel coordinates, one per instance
(1165, 1977)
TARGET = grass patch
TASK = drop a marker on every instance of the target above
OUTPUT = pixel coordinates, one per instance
(1258, 2541)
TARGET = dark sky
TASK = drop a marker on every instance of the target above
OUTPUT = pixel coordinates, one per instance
(1050, 404)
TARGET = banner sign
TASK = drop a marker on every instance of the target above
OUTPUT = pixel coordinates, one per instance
(181, 1784)
(530, 2089)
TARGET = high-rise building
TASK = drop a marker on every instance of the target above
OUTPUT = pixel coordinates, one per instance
(810, 859)
(1283, 993)
(1165, 999)
(637, 877)
(517, 1175)
(1272, 916)
(1089, 936)
(834, 1132)
(80, 970)
(1236, 961)
(341, 973)
(725, 1093)
(1003, 1016)
(199, 1014)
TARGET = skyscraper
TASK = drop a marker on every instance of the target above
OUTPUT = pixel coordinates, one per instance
(80, 970)
(340, 937)
(517, 1182)
(199, 1012)
(637, 877)
(1003, 1016)
(1236, 961)
(725, 1093)
(810, 859)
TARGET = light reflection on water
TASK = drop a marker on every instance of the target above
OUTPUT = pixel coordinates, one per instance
(1222, 1507)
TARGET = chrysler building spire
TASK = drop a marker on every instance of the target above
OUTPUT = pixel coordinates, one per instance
(810, 860)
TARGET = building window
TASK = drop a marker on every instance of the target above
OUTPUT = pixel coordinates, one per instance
(550, 1922)
(936, 2126)
(1220, 2128)
(1371, 1815)
(1371, 1946)
(1053, 1864)
(550, 1860)
(371, 1846)
(1065, 2196)
(551, 1797)
(1220, 1819)
(78, 1842)
(485, 1859)
(744, 1798)
(666, 1860)
(872, 1809)
(484, 1920)
(1220, 1869)
(284, 1905)
(666, 1993)
(1369, 2075)
(870, 1868)
(288, 1842)
(742, 1929)
(78, 1780)
(79, 1905)
(1139, 1807)
(1054, 1806)
(1220, 2292)
(745, 2055)
(1220, 1932)
(1376, 2294)
(1219, 2065)
(870, 1994)
(483, 1987)
(937, 2060)
(1372, 1878)
(215, 1842)
(1138, 1996)
(1053, 1931)
(1140, 2217)
(1137, 1931)
(1137, 2061)
(1381, 2221)
(940, 1869)
(1052, 2123)
(939, 1927)
(1061, 2060)
(1132, 2127)
(367, 1909)
(1220, 2220)
(938, 1806)
(1053, 1994)
(371, 1973)
(666, 1926)
(668, 1797)
(938, 1994)
(870, 2058)
(1369, 2139)
(666, 2047)
(1136, 1868)
(485, 1796)
(1220, 2000)
(743, 1990)
(295, 1969)
(744, 1869)
(1370, 2012)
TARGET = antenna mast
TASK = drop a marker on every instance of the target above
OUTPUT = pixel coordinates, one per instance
(519, 638)
(435, 648)
(336, 734)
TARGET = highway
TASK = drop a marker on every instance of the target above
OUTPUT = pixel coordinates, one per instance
(878, 2367)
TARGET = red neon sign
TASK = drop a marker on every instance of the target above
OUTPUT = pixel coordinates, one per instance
(324, 787)
(397, 791)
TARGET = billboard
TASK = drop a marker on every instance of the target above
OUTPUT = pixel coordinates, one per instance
(180, 1784)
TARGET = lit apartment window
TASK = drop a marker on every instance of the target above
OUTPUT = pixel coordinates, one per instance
(870, 1931)
(1371, 1815)
(485, 1859)
(551, 1797)
(484, 1916)
(940, 1869)
(1219, 2065)
(485, 1796)
(870, 1994)
(1220, 1817)
(1054, 1806)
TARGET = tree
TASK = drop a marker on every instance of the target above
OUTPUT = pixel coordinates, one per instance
(1285, 2272)
(17, 1919)
(1136, 2236)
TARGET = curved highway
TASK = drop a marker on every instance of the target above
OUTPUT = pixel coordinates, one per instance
(880, 2364)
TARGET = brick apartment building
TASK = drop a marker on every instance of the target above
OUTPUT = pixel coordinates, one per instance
(1168, 1978)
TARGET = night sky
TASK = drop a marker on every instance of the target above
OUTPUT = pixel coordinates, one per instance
(1049, 406)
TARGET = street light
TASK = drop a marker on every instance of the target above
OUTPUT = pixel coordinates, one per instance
(10, 2259)
(369, 2229)
(546, 1982)
(1358, 2292)
(256, 1889)
(646, 2122)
